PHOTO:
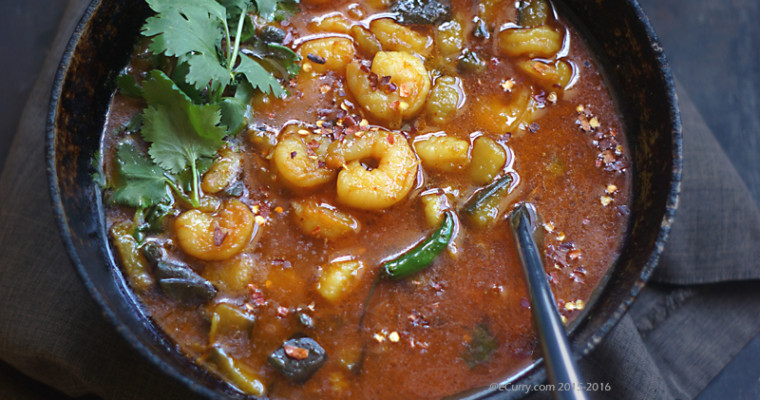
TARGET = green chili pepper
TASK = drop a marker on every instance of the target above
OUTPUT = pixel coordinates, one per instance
(483, 206)
(422, 255)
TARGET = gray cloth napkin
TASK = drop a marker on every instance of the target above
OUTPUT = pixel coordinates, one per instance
(698, 312)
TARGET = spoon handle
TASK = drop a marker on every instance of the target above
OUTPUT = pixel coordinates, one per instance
(560, 366)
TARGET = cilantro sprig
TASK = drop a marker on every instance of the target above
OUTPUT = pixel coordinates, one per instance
(198, 33)
(218, 64)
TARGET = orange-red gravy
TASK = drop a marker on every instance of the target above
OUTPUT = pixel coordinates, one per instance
(574, 174)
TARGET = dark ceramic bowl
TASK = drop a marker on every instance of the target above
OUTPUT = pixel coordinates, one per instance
(627, 50)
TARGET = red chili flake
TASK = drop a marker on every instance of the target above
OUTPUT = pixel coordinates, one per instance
(373, 81)
(257, 296)
(391, 140)
(533, 128)
(494, 62)
(340, 114)
(313, 144)
(365, 66)
(583, 122)
(283, 312)
(264, 209)
(293, 154)
(352, 130)
(315, 230)
(394, 105)
(392, 87)
(525, 303)
(219, 236)
(574, 254)
(580, 270)
(321, 164)
(438, 286)
(296, 353)
(349, 122)
(608, 156)
(606, 144)
(620, 165)
(316, 59)
(598, 162)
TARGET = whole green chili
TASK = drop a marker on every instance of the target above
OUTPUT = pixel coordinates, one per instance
(422, 255)
(482, 198)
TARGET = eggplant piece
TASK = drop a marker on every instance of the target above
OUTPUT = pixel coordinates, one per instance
(298, 358)
(481, 346)
(272, 34)
(178, 280)
(421, 11)
(470, 62)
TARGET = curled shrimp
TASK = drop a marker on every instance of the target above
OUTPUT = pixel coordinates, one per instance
(299, 159)
(361, 186)
(402, 97)
(215, 235)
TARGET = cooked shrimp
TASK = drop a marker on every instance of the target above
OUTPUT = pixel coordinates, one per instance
(374, 188)
(218, 235)
(299, 159)
(405, 94)
(331, 53)
(223, 172)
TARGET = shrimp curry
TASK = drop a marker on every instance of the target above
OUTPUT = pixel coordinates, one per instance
(313, 204)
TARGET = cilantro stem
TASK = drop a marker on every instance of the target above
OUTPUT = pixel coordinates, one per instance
(236, 48)
(196, 198)
(229, 43)
(179, 192)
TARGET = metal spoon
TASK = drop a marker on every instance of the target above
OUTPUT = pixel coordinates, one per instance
(563, 372)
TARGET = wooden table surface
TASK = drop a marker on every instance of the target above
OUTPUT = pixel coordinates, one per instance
(714, 51)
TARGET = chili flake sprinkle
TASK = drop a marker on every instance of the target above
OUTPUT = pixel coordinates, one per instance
(296, 353)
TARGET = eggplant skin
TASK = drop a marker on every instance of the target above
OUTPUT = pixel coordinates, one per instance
(422, 12)
(298, 371)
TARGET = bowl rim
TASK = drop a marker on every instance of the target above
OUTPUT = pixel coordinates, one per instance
(531, 373)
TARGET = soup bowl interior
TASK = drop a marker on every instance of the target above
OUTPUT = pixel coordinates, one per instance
(627, 51)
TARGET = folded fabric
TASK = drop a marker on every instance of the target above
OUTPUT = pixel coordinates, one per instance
(685, 327)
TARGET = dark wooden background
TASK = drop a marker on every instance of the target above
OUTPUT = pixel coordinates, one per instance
(713, 47)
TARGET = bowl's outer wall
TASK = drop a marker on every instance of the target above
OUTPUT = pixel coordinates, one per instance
(100, 48)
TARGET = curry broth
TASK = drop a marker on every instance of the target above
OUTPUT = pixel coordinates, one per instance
(570, 162)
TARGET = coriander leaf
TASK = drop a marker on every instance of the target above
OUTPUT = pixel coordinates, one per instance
(289, 58)
(235, 7)
(179, 131)
(266, 8)
(233, 114)
(481, 346)
(285, 9)
(128, 85)
(192, 31)
(141, 183)
(236, 110)
(179, 76)
(259, 77)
